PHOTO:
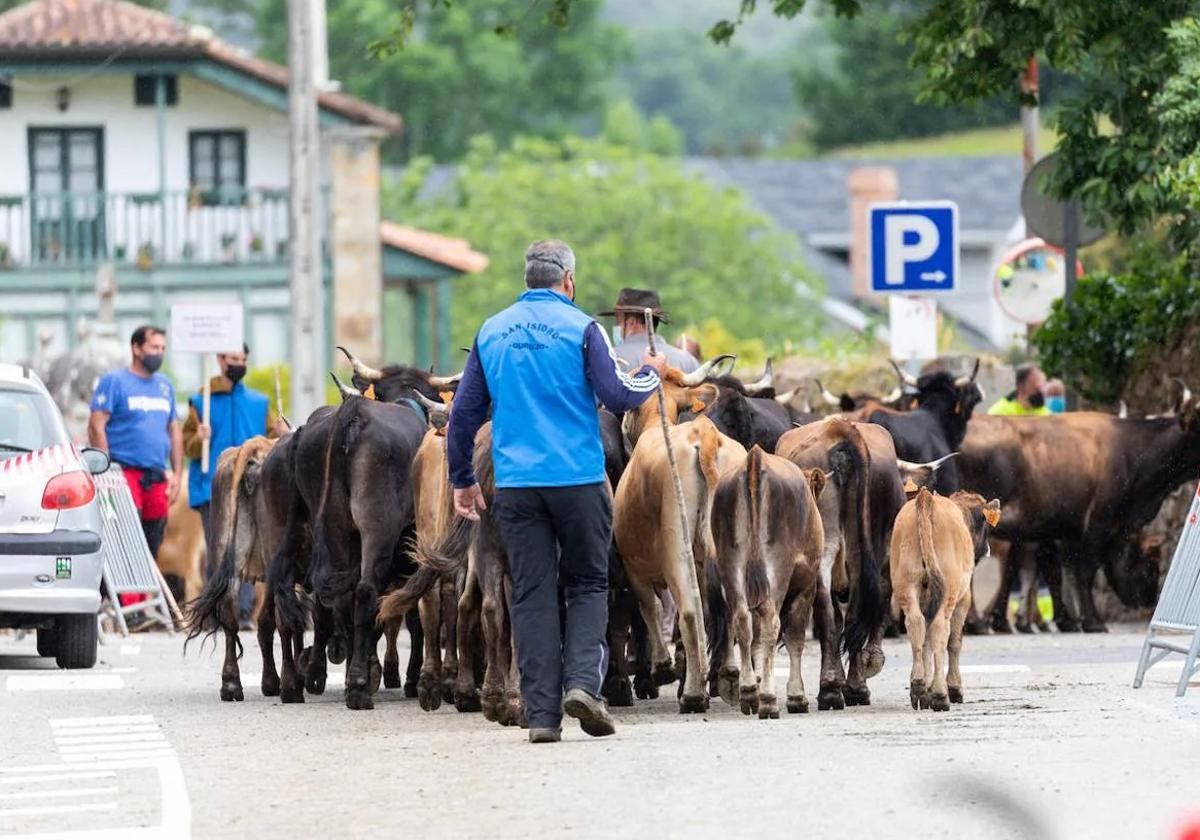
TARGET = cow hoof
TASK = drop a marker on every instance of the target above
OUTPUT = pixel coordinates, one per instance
(410, 689)
(391, 675)
(374, 676)
(727, 685)
(939, 703)
(874, 662)
(664, 673)
(978, 627)
(799, 705)
(917, 694)
(857, 696)
(768, 708)
(1066, 625)
(1094, 627)
(429, 692)
(692, 704)
(618, 692)
(956, 695)
(1024, 627)
(644, 687)
(448, 689)
(891, 630)
(314, 683)
(359, 699)
(515, 712)
(335, 650)
(1000, 625)
(829, 697)
(749, 698)
(291, 693)
(270, 684)
(232, 691)
(467, 703)
(493, 706)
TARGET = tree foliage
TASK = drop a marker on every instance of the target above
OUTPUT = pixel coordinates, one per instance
(634, 219)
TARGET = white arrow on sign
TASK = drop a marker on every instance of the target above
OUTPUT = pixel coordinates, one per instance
(935, 276)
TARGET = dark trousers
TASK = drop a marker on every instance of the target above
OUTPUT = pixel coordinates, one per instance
(536, 524)
(246, 589)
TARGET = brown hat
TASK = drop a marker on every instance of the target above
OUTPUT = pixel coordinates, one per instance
(636, 301)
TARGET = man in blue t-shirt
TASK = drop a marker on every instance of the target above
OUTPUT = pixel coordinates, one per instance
(133, 420)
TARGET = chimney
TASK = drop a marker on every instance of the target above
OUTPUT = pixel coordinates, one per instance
(320, 46)
(867, 185)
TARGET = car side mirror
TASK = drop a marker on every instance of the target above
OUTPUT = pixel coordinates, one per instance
(96, 460)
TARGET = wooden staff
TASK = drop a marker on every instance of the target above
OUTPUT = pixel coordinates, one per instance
(206, 404)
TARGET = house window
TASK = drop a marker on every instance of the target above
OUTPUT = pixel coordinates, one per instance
(5, 94)
(217, 165)
(144, 89)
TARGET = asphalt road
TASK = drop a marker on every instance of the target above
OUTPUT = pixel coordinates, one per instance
(1051, 742)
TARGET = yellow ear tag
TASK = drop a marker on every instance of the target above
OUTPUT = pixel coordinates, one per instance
(698, 406)
(446, 396)
(911, 486)
(370, 392)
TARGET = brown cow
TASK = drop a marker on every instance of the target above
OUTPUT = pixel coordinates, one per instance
(934, 546)
(646, 525)
(769, 541)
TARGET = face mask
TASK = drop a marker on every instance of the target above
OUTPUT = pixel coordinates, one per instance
(152, 361)
(1037, 399)
(234, 373)
(1057, 405)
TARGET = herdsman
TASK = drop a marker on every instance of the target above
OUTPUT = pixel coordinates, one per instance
(629, 311)
(542, 365)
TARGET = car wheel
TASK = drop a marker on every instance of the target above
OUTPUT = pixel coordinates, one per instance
(77, 639)
(47, 642)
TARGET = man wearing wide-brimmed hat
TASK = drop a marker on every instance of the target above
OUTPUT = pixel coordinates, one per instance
(630, 313)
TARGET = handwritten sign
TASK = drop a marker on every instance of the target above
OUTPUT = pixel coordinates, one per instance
(913, 327)
(206, 327)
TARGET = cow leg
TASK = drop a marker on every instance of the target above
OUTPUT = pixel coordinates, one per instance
(1065, 618)
(1010, 567)
(266, 645)
(833, 677)
(291, 686)
(954, 685)
(936, 643)
(447, 635)
(918, 677)
(416, 652)
(694, 694)
(663, 672)
(316, 670)
(493, 620)
(1088, 559)
(231, 678)
(767, 639)
(799, 611)
(391, 655)
(466, 696)
(617, 689)
(515, 715)
(377, 552)
(429, 683)
(741, 633)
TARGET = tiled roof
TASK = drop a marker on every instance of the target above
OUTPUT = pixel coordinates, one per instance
(444, 250)
(114, 29)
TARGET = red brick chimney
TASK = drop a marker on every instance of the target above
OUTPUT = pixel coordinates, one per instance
(867, 185)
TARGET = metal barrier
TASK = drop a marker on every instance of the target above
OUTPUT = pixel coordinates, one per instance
(129, 569)
(1178, 609)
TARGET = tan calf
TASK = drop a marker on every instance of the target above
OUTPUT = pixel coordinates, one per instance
(934, 546)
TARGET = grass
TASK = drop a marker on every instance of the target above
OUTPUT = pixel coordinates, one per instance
(1004, 140)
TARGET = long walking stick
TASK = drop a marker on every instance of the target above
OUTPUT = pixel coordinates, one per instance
(279, 400)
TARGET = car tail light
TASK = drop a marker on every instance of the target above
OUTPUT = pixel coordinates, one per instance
(69, 490)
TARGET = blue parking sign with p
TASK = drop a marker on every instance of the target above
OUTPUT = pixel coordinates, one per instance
(914, 247)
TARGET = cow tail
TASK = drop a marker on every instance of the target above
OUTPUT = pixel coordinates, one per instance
(708, 445)
(438, 556)
(850, 459)
(758, 587)
(327, 583)
(933, 586)
(290, 606)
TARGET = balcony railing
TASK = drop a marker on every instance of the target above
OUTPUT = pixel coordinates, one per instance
(144, 229)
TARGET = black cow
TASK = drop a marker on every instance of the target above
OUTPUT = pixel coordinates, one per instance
(749, 413)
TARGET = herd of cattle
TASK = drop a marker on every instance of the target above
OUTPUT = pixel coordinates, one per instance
(789, 515)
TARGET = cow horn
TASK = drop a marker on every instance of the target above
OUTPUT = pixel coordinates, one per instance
(787, 396)
(1185, 394)
(905, 377)
(893, 397)
(829, 398)
(932, 466)
(964, 381)
(701, 373)
(443, 381)
(1122, 410)
(361, 369)
(767, 381)
(345, 389)
(432, 406)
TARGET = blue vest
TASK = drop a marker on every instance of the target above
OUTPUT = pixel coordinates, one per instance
(545, 428)
(236, 417)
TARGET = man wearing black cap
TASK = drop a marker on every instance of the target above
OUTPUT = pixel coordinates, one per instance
(635, 341)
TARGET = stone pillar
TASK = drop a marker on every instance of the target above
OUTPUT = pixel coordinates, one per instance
(867, 185)
(354, 241)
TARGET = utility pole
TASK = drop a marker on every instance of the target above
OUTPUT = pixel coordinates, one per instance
(308, 304)
(1029, 119)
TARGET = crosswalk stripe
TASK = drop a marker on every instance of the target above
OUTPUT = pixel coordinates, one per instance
(113, 720)
(105, 731)
(65, 682)
(112, 759)
(55, 776)
(118, 746)
(59, 794)
(113, 738)
(57, 809)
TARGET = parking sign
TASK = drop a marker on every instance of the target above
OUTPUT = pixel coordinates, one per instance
(914, 247)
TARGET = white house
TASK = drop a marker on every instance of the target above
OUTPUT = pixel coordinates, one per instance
(134, 140)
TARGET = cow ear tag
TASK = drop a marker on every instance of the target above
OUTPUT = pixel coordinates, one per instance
(446, 396)
(910, 486)
(370, 392)
(698, 406)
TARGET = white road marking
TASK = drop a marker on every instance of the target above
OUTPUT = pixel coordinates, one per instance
(130, 650)
(58, 794)
(53, 775)
(994, 669)
(129, 669)
(65, 682)
(114, 720)
(58, 809)
(106, 731)
(113, 747)
(110, 737)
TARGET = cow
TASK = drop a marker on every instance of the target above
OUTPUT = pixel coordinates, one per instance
(244, 536)
(849, 402)
(655, 547)
(356, 485)
(749, 412)
(935, 544)
(1087, 479)
(769, 542)
(857, 514)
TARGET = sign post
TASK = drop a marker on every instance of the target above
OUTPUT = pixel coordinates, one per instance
(206, 328)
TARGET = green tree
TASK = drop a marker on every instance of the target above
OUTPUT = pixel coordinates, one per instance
(632, 218)
(456, 77)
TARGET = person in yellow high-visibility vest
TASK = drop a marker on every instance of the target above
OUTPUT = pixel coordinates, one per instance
(1029, 398)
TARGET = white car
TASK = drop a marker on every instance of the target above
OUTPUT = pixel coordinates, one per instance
(50, 524)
